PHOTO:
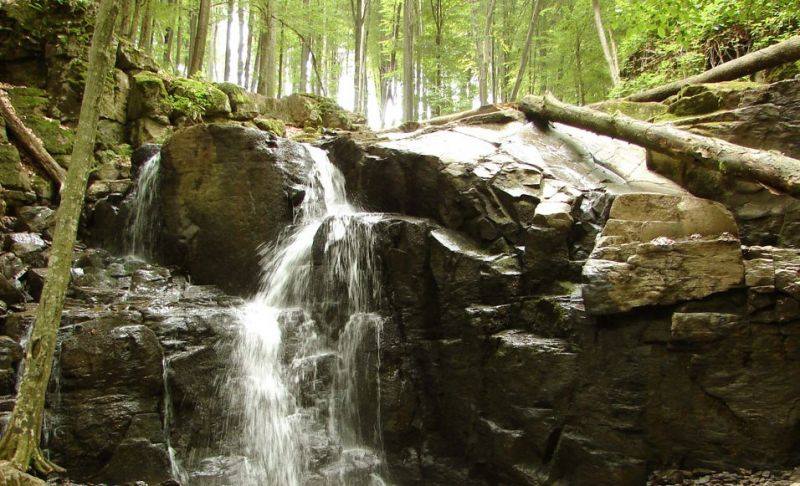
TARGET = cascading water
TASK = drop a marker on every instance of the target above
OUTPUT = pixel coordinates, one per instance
(143, 220)
(324, 265)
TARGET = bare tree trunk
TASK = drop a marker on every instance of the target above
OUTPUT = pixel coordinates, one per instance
(30, 141)
(257, 63)
(483, 58)
(125, 17)
(133, 28)
(227, 72)
(359, 10)
(200, 37)
(169, 35)
(613, 66)
(145, 40)
(769, 57)
(251, 20)
(266, 81)
(770, 168)
(408, 60)
(178, 39)
(579, 91)
(20, 443)
(240, 54)
(536, 8)
(211, 65)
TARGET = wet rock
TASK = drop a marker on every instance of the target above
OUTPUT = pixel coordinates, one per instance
(223, 180)
(37, 219)
(30, 247)
(661, 249)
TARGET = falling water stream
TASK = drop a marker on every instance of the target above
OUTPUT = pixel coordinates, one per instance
(288, 339)
(143, 221)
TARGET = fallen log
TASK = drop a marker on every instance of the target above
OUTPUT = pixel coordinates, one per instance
(769, 57)
(770, 168)
(30, 141)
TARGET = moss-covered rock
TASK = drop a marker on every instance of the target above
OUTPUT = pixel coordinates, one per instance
(640, 111)
(148, 96)
(272, 125)
(129, 58)
(114, 103)
(110, 133)
(195, 99)
(32, 106)
(12, 174)
(244, 105)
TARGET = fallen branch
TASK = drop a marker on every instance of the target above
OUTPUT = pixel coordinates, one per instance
(769, 57)
(30, 141)
(770, 168)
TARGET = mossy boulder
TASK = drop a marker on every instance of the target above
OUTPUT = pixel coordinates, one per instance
(29, 100)
(195, 99)
(148, 96)
(114, 103)
(12, 174)
(110, 133)
(32, 106)
(244, 105)
(271, 125)
(640, 111)
(129, 58)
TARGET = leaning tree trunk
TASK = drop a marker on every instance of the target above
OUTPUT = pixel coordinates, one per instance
(770, 168)
(536, 8)
(767, 58)
(30, 141)
(608, 52)
(20, 444)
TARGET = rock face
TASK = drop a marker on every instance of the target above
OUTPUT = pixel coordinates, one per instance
(660, 249)
(226, 191)
(519, 350)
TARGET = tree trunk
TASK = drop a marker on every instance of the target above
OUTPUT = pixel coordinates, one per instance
(30, 141)
(266, 75)
(178, 39)
(608, 53)
(485, 56)
(125, 17)
(133, 28)
(770, 168)
(227, 73)
(251, 20)
(408, 60)
(169, 35)
(769, 57)
(146, 38)
(211, 65)
(359, 10)
(240, 54)
(536, 8)
(20, 443)
(305, 54)
(200, 37)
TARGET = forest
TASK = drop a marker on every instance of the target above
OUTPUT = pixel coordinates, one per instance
(400, 60)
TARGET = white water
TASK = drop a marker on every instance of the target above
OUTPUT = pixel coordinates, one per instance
(143, 220)
(325, 259)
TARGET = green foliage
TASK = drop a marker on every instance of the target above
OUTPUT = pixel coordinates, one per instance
(191, 98)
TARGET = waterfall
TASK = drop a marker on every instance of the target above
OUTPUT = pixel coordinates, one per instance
(314, 316)
(143, 219)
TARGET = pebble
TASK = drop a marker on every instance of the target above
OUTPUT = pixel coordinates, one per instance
(741, 477)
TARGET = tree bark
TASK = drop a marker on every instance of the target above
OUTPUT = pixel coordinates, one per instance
(769, 57)
(20, 443)
(536, 8)
(200, 37)
(227, 73)
(251, 20)
(240, 54)
(30, 141)
(408, 60)
(484, 58)
(146, 38)
(770, 168)
(266, 75)
(608, 53)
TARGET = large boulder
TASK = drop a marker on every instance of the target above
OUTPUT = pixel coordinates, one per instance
(226, 191)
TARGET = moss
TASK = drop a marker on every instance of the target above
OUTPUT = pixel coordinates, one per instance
(57, 140)
(28, 100)
(640, 111)
(192, 98)
(148, 96)
(271, 125)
